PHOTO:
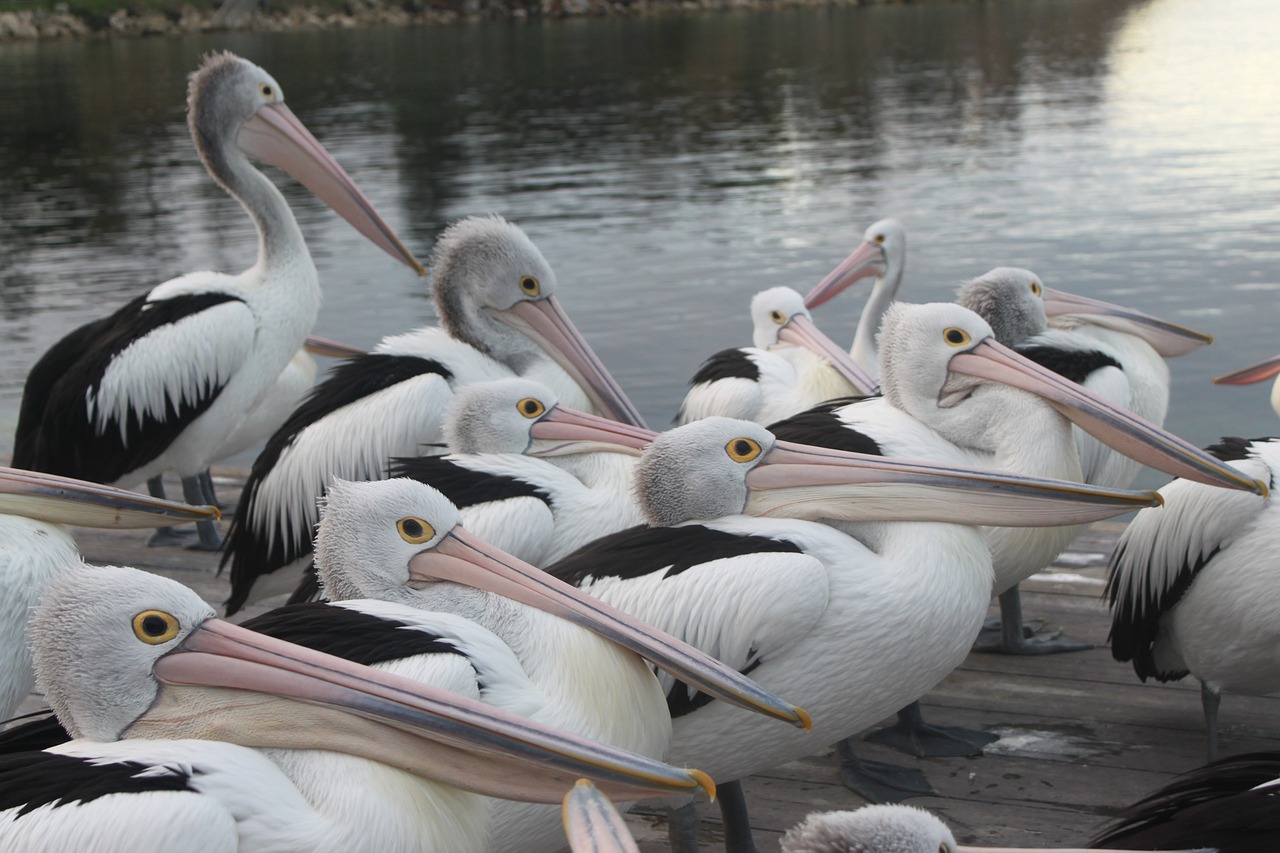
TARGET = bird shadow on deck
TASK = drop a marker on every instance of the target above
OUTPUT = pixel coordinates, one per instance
(1080, 736)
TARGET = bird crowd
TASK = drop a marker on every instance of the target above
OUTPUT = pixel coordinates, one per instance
(512, 603)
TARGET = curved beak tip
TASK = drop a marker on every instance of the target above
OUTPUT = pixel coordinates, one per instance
(705, 782)
(1262, 489)
(217, 513)
(803, 719)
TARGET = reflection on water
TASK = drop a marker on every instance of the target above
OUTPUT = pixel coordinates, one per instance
(671, 166)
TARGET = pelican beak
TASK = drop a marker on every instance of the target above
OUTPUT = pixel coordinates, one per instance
(866, 260)
(462, 558)
(1167, 339)
(63, 500)
(330, 349)
(275, 135)
(800, 331)
(546, 322)
(562, 431)
(799, 481)
(592, 823)
(1118, 428)
(224, 682)
(1259, 372)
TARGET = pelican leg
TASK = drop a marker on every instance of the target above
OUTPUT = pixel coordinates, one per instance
(733, 812)
(1013, 641)
(912, 735)
(209, 539)
(1210, 697)
(682, 828)
(877, 782)
(206, 485)
(165, 537)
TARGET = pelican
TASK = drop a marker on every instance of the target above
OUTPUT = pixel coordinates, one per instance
(160, 384)
(401, 541)
(1190, 587)
(1259, 372)
(883, 251)
(955, 395)
(123, 655)
(807, 610)
(791, 367)
(36, 549)
(531, 477)
(496, 299)
(1112, 351)
(1228, 806)
(894, 829)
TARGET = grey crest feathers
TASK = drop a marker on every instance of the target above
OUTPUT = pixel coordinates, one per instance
(484, 418)
(1004, 297)
(870, 829)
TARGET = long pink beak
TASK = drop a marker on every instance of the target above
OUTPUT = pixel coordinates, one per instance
(275, 135)
(64, 500)
(1259, 372)
(866, 260)
(1118, 428)
(317, 345)
(1167, 339)
(592, 823)
(800, 481)
(462, 558)
(546, 322)
(800, 331)
(561, 431)
(493, 743)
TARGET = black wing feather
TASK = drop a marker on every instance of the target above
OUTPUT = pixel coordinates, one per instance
(821, 427)
(29, 780)
(55, 433)
(464, 486)
(349, 634)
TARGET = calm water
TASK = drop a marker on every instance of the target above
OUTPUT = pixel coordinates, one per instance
(671, 167)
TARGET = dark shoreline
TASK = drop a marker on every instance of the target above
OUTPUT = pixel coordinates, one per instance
(63, 24)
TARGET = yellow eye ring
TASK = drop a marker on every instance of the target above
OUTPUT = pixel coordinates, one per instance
(1035, 288)
(531, 407)
(267, 91)
(956, 337)
(529, 285)
(414, 530)
(154, 627)
(778, 317)
(742, 449)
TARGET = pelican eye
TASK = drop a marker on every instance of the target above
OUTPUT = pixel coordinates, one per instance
(778, 317)
(944, 847)
(154, 627)
(742, 449)
(1035, 288)
(956, 337)
(879, 238)
(415, 531)
(531, 407)
(529, 285)
(267, 91)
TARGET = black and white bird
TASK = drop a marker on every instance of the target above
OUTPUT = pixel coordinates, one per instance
(1191, 587)
(160, 384)
(322, 753)
(1114, 352)
(953, 394)
(401, 541)
(36, 549)
(791, 367)
(856, 629)
(496, 299)
(882, 253)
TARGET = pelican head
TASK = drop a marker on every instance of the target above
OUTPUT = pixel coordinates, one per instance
(883, 828)
(717, 467)
(122, 653)
(779, 316)
(495, 291)
(882, 253)
(235, 108)
(523, 416)
(388, 538)
(1010, 299)
(940, 362)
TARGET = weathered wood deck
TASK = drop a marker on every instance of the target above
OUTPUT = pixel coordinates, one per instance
(1080, 735)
